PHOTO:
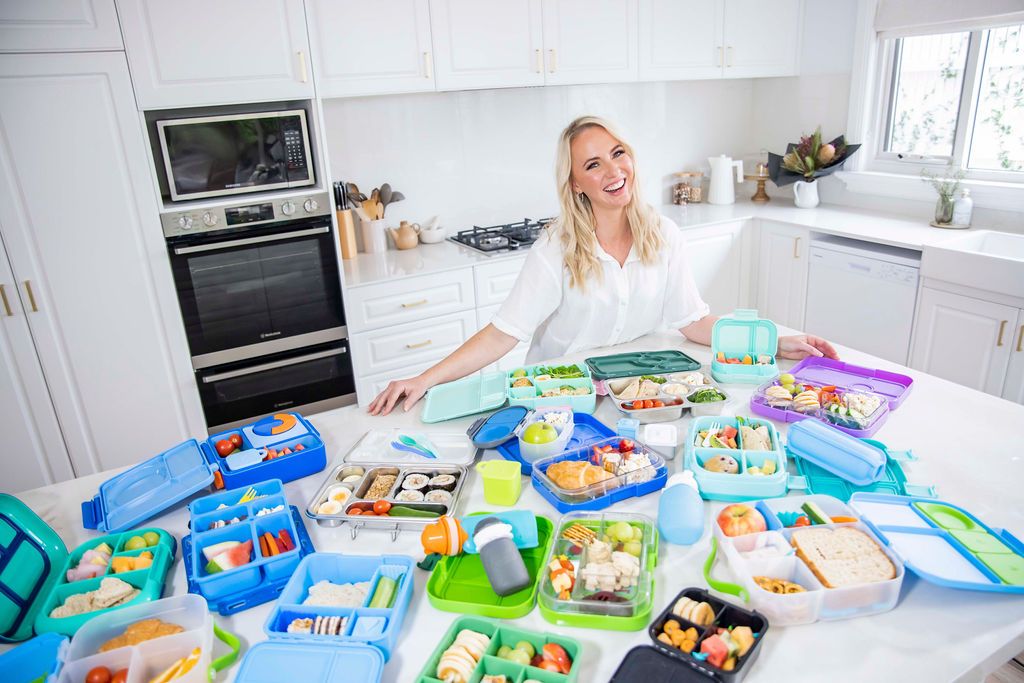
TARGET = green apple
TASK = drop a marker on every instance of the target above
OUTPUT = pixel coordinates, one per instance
(634, 548)
(151, 538)
(135, 543)
(526, 646)
(539, 433)
(519, 373)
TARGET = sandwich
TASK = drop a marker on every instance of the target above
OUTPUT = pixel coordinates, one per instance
(842, 557)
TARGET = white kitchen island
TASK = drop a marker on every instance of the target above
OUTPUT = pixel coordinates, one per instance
(966, 447)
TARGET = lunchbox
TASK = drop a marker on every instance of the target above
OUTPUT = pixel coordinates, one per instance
(661, 661)
(778, 562)
(149, 658)
(157, 484)
(489, 391)
(458, 583)
(422, 488)
(743, 485)
(591, 603)
(635, 363)
(248, 516)
(752, 340)
(845, 383)
(676, 391)
(36, 660)
(500, 635)
(638, 471)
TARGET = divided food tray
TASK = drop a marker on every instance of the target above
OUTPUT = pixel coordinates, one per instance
(363, 490)
(147, 659)
(663, 662)
(587, 429)
(310, 460)
(377, 627)
(630, 608)
(743, 334)
(641, 363)
(625, 482)
(576, 392)
(675, 391)
(264, 576)
(816, 602)
(459, 583)
(742, 485)
(490, 664)
(945, 544)
(149, 581)
(31, 560)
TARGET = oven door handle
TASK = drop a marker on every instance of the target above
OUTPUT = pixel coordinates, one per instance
(210, 379)
(251, 240)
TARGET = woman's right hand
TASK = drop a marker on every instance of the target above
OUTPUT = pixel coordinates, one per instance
(412, 389)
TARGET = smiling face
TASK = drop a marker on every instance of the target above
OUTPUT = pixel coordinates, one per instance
(602, 169)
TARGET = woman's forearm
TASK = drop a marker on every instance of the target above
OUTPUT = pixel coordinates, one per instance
(700, 331)
(479, 351)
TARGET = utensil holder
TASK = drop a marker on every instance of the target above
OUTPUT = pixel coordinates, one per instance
(375, 240)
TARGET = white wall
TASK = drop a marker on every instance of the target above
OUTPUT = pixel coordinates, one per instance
(488, 156)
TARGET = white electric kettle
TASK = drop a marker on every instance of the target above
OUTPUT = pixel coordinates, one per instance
(721, 190)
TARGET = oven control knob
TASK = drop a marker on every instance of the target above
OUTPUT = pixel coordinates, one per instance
(210, 219)
(311, 205)
(185, 222)
(288, 208)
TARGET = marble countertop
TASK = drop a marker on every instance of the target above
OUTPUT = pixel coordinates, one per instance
(964, 442)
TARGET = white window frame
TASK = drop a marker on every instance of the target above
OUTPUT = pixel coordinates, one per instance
(875, 171)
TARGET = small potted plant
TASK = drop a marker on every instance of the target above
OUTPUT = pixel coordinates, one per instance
(946, 184)
(806, 161)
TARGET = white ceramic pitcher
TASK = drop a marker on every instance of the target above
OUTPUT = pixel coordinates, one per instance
(805, 195)
(722, 190)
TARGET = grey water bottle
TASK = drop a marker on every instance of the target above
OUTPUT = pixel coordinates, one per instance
(502, 562)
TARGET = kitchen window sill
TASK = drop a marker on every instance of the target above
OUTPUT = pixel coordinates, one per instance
(988, 194)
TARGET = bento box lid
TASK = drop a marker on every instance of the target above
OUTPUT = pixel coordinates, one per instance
(466, 396)
(892, 386)
(855, 460)
(279, 660)
(496, 429)
(745, 333)
(641, 363)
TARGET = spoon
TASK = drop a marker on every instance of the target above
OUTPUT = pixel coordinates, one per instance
(409, 449)
(409, 441)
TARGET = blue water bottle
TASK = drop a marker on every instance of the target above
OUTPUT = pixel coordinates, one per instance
(681, 510)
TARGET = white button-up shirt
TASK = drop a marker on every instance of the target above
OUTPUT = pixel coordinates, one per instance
(632, 300)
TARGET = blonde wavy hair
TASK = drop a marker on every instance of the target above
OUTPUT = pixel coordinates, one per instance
(576, 218)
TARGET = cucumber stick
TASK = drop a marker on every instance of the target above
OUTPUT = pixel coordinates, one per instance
(815, 513)
(385, 593)
(403, 511)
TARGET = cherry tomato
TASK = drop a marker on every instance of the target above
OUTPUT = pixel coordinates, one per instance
(355, 511)
(224, 448)
(802, 520)
(100, 674)
(658, 403)
(369, 513)
(120, 677)
(236, 440)
(381, 507)
(648, 403)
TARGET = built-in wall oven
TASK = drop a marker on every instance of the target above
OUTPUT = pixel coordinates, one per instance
(260, 296)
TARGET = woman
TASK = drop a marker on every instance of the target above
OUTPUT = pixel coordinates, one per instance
(607, 271)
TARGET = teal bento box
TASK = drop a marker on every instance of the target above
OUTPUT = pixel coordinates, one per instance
(743, 348)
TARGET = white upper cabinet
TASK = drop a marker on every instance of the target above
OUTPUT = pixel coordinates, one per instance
(762, 38)
(680, 40)
(782, 273)
(370, 48)
(590, 41)
(58, 25)
(487, 43)
(195, 52)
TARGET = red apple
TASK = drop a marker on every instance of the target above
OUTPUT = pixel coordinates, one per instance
(739, 519)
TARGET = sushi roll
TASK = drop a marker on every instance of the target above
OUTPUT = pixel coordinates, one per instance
(439, 496)
(415, 482)
(410, 496)
(443, 481)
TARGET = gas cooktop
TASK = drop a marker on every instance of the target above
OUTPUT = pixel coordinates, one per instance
(498, 239)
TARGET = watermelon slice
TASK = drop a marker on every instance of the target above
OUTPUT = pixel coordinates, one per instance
(236, 556)
(216, 549)
(716, 649)
(285, 540)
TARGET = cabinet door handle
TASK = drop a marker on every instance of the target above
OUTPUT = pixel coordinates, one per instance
(721, 58)
(538, 61)
(419, 345)
(303, 72)
(796, 248)
(7, 304)
(728, 56)
(1002, 328)
(414, 304)
(1020, 339)
(428, 65)
(31, 296)
(553, 61)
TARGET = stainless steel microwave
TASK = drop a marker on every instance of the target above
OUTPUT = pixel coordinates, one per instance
(214, 156)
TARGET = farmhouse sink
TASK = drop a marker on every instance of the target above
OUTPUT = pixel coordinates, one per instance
(983, 259)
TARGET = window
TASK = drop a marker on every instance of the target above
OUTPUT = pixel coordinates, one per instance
(955, 98)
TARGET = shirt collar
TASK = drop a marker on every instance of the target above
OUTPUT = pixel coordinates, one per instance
(603, 255)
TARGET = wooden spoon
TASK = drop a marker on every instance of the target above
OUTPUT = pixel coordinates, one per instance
(380, 209)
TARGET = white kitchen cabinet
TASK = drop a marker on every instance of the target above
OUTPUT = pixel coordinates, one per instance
(393, 302)
(762, 38)
(1013, 387)
(58, 25)
(782, 273)
(963, 339)
(370, 48)
(494, 281)
(88, 257)
(193, 52)
(391, 349)
(719, 259)
(680, 40)
(34, 453)
(487, 43)
(590, 41)
(369, 386)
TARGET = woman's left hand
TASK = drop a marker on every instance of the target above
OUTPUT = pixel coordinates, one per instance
(798, 346)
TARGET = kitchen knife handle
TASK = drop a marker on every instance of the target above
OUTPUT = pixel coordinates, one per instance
(304, 73)
(1002, 328)
(428, 65)
(7, 304)
(31, 296)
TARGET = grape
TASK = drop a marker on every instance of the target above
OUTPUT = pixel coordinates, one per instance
(638, 534)
(634, 548)
(621, 531)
